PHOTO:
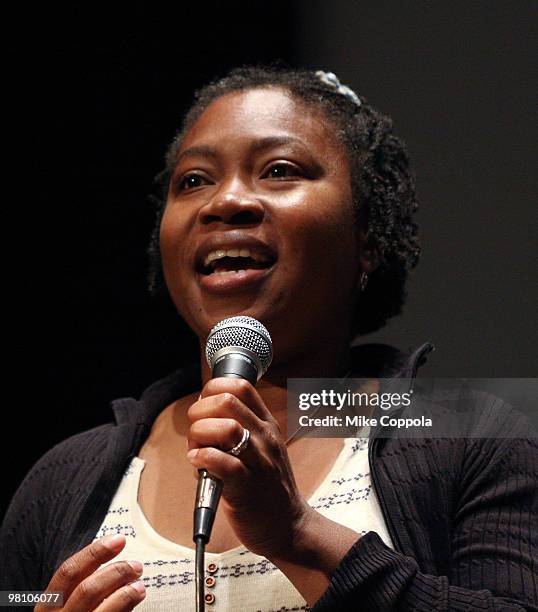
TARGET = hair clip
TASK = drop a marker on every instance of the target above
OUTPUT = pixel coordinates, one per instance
(329, 78)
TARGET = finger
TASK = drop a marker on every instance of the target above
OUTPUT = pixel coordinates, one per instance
(124, 599)
(220, 433)
(230, 469)
(224, 406)
(101, 584)
(83, 563)
(242, 390)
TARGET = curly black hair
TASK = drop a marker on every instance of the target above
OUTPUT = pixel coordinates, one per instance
(383, 186)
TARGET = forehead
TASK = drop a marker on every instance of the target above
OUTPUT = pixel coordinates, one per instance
(261, 112)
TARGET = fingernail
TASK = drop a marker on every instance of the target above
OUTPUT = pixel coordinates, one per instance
(112, 541)
(137, 566)
(192, 454)
(139, 587)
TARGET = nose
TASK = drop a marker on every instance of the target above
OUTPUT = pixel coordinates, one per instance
(233, 204)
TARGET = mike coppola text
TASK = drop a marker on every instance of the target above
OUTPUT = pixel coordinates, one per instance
(403, 407)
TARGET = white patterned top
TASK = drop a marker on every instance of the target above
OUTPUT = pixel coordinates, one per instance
(242, 580)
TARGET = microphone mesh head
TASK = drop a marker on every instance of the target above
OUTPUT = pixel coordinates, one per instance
(241, 331)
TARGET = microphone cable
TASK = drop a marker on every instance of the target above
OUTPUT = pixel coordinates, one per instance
(199, 574)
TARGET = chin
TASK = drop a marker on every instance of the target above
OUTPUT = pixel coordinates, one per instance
(203, 321)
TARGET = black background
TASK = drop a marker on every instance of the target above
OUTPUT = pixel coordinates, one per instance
(100, 90)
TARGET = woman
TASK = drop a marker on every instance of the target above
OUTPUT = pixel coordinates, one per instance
(288, 199)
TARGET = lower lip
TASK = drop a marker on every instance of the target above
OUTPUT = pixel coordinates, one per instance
(232, 282)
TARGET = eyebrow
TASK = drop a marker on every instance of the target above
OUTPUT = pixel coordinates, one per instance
(262, 144)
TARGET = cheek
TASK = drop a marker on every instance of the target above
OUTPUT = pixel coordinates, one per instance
(166, 238)
(176, 225)
(324, 238)
(170, 226)
(172, 242)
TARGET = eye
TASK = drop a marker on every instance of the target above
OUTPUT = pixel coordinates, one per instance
(281, 170)
(191, 181)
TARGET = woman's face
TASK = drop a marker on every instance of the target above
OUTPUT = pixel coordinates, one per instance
(259, 220)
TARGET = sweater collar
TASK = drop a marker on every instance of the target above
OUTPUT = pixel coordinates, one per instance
(369, 360)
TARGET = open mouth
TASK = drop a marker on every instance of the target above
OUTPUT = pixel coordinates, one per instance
(231, 261)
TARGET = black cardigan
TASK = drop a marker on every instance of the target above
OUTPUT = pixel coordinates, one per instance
(462, 513)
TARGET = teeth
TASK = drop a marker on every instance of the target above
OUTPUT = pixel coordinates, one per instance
(219, 254)
(228, 272)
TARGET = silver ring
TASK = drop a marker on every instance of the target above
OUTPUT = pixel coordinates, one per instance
(239, 448)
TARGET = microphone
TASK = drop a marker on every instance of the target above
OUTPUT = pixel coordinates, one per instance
(237, 347)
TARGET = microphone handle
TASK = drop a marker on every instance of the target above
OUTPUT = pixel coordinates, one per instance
(232, 363)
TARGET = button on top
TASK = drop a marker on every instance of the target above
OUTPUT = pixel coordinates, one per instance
(212, 568)
(209, 598)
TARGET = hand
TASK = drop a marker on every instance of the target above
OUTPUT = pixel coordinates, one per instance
(260, 496)
(104, 590)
